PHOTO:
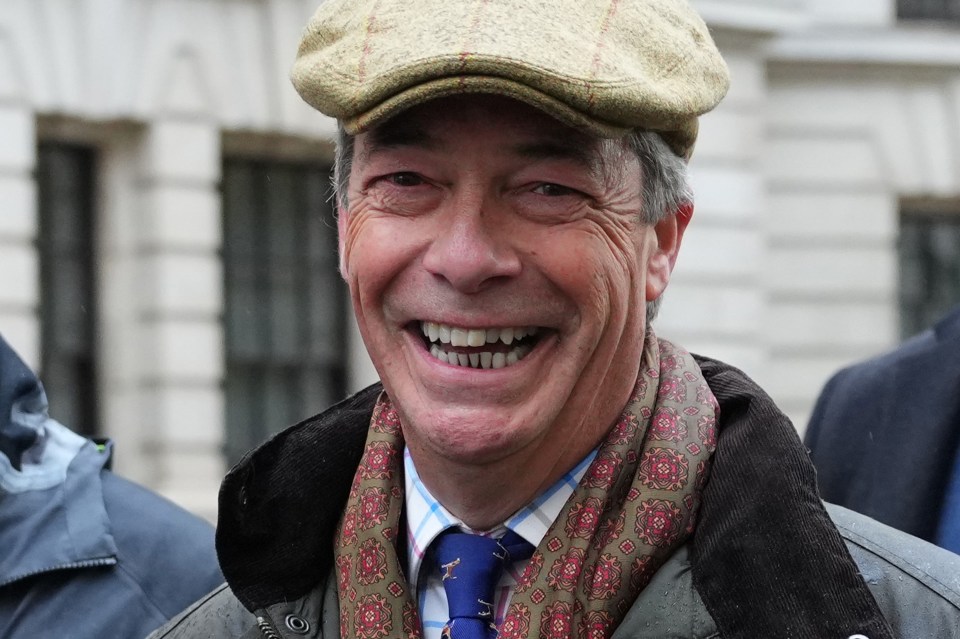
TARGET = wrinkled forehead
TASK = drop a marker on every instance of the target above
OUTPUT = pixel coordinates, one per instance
(526, 131)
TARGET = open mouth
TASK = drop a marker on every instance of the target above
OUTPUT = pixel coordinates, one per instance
(479, 347)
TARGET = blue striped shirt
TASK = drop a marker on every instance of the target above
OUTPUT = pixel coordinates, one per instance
(427, 518)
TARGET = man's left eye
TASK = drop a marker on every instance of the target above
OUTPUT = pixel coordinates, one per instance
(406, 178)
(553, 190)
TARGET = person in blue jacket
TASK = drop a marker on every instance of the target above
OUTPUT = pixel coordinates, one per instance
(885, 436)
(83, 552)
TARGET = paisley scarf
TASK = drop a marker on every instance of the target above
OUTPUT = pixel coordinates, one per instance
(635, 505)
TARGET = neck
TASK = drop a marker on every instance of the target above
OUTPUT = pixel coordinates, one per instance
(485, 496)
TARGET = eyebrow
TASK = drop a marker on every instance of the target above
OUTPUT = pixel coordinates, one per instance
(577, 151)
(385, 138)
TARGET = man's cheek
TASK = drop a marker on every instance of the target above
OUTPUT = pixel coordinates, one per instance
(351, 227)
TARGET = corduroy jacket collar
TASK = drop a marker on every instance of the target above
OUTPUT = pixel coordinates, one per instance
(765, 555)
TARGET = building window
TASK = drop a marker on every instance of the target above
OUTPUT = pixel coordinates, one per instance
(928, 9)
(68, 312)
(929, 269)
(285, 303)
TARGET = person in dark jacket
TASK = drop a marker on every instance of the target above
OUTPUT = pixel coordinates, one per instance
(537, 463)
(885, 436)
(85, 553)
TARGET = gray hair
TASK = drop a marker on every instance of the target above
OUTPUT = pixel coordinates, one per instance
(665, 183)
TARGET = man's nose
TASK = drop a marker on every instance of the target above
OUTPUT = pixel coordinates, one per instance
(470, 251)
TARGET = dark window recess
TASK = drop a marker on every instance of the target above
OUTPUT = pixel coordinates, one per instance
(284, 312)
(929, 269)
(68, 313)
(928, 9)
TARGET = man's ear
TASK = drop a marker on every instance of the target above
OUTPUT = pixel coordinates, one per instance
(341, 214)
(669, 233)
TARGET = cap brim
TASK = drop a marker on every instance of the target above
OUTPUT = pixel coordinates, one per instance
(680, 139)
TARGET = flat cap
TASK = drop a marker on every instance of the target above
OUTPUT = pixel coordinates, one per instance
(607, 66)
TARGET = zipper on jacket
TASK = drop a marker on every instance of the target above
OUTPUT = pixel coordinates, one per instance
(87, 563)
(267, 629)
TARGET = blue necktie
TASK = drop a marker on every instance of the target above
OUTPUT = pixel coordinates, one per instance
(470, 566)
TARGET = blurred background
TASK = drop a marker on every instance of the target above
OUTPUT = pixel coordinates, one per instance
(167, 245)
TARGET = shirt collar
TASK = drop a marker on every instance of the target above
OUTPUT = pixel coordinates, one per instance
(427, 518)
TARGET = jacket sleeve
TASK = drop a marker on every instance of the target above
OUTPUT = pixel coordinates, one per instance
(916, 584)
(167, 552)
(812, 434)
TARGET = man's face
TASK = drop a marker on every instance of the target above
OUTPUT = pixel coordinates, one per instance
(499, 272)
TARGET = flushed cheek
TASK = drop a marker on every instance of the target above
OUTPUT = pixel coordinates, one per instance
(613, 321)
(617, 262)
(376, 247)
(593, 271)
(352, 228)
(372, 260)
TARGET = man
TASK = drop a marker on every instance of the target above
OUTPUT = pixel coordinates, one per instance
(512, 197)
(86, 554)
(885, 436)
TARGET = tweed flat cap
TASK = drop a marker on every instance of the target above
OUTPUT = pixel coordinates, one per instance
(607, 66)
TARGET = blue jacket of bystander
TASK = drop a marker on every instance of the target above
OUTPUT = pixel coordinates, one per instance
(85, 552)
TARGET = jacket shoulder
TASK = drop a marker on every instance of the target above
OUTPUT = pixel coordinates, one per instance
(166, 551)
(916, 584)
(218, 615)
(221, 615)
(870, 376)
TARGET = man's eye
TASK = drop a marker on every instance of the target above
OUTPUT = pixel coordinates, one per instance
(553, 190)
(405, 178)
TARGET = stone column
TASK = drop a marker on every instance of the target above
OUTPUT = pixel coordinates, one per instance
(163, 303)
(182, 307)
(19, 261)
(715, 302)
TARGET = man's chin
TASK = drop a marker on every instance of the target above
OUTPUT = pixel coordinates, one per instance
(473, 434)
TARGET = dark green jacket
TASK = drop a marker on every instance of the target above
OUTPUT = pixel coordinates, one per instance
(765, 561)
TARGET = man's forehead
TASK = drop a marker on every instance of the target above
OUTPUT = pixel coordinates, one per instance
(532, 133)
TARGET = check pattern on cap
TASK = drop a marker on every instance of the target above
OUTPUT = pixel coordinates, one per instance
(606, 66)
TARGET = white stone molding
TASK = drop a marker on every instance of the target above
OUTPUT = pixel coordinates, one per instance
(19, 265)
(715, 302)
(857, 123)
(181, 302)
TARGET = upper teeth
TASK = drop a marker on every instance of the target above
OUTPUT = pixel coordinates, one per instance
(456, 336)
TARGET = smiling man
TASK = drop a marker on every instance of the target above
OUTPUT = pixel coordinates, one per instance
(499, 263)
(512, 197)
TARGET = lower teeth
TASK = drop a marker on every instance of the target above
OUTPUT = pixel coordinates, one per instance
(485, 359)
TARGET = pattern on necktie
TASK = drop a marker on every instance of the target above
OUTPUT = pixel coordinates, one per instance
(470, 567)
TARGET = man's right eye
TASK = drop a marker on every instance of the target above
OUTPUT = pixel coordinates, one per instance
(405, 178)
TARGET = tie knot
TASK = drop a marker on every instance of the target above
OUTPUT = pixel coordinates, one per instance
(470, 567)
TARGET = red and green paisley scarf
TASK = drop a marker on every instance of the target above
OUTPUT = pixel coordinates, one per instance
(635, 505)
